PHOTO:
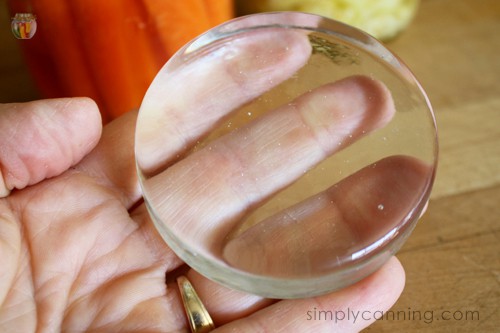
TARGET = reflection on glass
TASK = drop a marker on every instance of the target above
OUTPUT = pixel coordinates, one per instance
(285, 154)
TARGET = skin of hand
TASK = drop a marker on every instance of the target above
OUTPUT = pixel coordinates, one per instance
(80, 254)
(78, 250)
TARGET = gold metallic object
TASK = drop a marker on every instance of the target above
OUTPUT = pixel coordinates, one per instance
(198, 317)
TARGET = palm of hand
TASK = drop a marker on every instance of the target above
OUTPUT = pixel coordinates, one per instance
(83, 261)
(79, 252)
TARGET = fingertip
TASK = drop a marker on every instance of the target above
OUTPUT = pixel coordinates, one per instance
(77, 118)
(42, 139)
(389, 284)
(88, 108)
(74, 123)
(373, 96)
(395, 274)
(375, 294)
(84, 112)
(341, 112)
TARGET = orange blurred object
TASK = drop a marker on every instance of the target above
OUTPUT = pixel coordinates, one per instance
(110, 50)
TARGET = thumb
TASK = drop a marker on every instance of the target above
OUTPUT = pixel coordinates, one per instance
(42, 139)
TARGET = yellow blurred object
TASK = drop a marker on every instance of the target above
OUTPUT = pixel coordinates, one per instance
(383, 19)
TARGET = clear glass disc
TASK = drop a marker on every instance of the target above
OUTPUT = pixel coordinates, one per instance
(285, 154)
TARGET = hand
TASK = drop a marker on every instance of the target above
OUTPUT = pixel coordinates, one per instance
(79, 252)
(78, 249)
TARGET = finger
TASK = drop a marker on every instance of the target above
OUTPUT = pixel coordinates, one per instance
(44, 138)
(348, 310)
(336, 226)
(112, 162)
(223, 304)
(237, 171)
(182, 105)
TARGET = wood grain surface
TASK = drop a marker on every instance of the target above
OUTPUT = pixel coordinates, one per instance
(452, 258)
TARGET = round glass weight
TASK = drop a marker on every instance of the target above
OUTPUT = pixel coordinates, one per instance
(285, 154)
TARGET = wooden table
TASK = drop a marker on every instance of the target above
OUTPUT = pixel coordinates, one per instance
(452, 259)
